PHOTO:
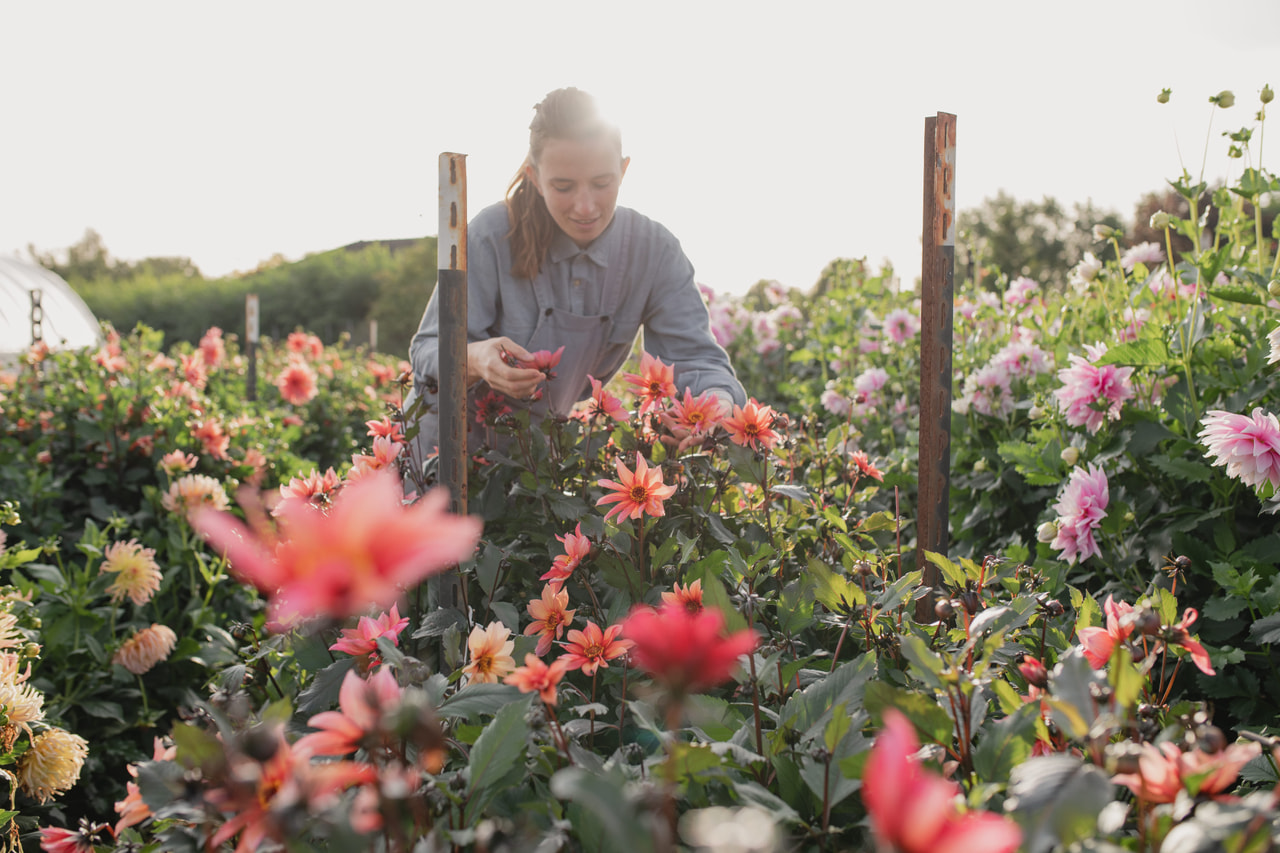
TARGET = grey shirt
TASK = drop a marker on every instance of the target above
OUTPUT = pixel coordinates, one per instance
(633, 275)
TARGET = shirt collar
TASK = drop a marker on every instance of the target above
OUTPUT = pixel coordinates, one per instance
(563, 248)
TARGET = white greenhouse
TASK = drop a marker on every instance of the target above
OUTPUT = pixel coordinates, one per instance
(65, 321)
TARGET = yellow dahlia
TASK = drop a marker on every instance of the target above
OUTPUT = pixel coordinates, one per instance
(146, 648)
(52, 764)
(135, 570)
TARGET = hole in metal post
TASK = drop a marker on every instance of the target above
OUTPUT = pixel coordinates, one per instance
(453, 215)
(453, 170)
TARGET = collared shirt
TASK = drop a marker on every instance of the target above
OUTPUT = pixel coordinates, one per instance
(658, 295)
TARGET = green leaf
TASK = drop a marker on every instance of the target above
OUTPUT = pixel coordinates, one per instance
(927, 665)
(809, 708)
(796, 493)
(836, 592)
(837, 726)
(1006, 744)
(477, 699)
(1125, 679)
(923, 711)
(496, 751)
(883, 520)
(1240, 293)
(1266, 630)
(603, 798)
(1183, 469)
(953, 574)
(322, 693)
(1056, 799)
(1147, 352)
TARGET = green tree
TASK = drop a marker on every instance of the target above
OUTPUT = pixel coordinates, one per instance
(1040, 240)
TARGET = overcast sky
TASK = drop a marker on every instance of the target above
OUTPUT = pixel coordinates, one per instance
(770, 137)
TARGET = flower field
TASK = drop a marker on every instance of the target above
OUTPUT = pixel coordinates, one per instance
(234, 624)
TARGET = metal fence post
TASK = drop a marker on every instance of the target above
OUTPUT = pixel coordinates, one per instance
(937, 298)
(37, 316)
(451, 288)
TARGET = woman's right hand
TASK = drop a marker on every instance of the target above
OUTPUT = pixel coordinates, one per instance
(485, 361)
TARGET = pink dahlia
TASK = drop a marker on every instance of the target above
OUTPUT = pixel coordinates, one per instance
(1248, 446)
(1092, 394)
(1080, 510)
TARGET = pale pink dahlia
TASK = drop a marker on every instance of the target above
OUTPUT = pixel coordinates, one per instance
(1080, 510)
(1248, 446)
(1093, 394)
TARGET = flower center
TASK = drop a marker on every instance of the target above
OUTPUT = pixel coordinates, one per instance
(639, 494)
(593, 651)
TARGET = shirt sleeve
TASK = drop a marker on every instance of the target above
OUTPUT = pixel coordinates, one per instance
(677, 329)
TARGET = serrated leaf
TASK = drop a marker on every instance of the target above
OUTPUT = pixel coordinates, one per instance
(322, 693)
(1183, 469)
(435, 623)
(1266, 630)
(1148, 352)
(810, 707)
(796, 493)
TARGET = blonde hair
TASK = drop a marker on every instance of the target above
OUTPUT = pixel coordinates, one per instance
(563, 114)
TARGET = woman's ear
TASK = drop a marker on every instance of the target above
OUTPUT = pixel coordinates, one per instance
(531, 175)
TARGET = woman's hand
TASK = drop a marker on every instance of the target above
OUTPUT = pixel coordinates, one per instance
(485, 360)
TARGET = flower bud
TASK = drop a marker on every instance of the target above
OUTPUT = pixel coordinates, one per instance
(970, 601)
(1102, 231)
(1224, 99)
(1034, 672)
(1070, 455)
(1035, 413)
(979, 466)
(1159, 220)
(1129, 516)
(1047, 532)
(1054, 607)
(1273, 287)
(1163, 97)
(1267, 94)
(944, 609)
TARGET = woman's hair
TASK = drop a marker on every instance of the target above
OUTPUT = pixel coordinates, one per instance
(563, 114)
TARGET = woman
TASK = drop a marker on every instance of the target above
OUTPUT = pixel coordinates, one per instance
(559, 264)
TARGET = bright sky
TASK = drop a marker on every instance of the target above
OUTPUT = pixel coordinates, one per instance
(769, 137)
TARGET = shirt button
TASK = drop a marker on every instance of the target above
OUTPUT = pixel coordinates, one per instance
(577, 282)
(547, 312)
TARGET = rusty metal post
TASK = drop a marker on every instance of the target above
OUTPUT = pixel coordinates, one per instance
(452, 289)
(251, 345)
(937, 273)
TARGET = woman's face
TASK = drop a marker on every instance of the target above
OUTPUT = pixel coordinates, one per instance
(579, 180)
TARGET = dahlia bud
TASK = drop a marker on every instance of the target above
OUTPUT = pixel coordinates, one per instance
(970, 601)
(1070, 455)
(1183, 563)
(979, 466)
(1212, 740)
(1034, 672)
(1224, 99)
(1054, 607)
(1163, 97)
(1102, 231)
(1047, 532)
(1148, 622)
(1035, 413)
(1273, 287)
(944, 609)
(1160, 220)
(1267, 94)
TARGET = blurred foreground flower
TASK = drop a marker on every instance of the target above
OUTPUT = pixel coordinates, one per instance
(915, 811)
(297, 383)
(685, 651)
(363, 552)
(1164, 770)
(195, 492)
